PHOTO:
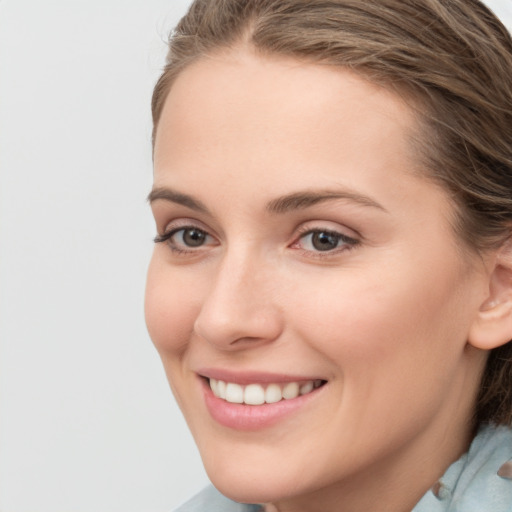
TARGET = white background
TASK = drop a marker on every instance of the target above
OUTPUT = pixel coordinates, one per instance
(87, 422)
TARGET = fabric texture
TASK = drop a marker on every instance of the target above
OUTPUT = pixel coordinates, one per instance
(471, 484)
(211, 500)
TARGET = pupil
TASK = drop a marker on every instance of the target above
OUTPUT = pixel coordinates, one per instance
(324, 241)
(193, 237)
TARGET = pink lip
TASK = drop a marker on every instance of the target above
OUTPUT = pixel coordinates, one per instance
(253, 417)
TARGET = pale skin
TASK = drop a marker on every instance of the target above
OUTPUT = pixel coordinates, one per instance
(394, 316)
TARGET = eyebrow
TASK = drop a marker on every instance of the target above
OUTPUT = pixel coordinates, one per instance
(296, 201)
(306, 199)
(173, 196)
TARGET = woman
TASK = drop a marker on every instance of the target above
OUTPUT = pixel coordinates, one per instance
(331, 285)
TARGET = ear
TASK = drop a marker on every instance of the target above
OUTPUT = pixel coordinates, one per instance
(493, 325)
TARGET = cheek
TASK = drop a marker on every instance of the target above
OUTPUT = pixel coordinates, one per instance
(170, 310)
(395, 318)
(394, 347)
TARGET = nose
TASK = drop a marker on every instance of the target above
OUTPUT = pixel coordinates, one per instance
(240, 309)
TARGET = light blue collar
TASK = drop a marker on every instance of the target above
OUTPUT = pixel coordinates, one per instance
(473, 483)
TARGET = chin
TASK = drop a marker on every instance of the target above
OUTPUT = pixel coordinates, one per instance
(250, 482)
(244, 488)
(247, 479)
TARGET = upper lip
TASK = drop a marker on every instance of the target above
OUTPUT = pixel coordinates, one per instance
(252, 377)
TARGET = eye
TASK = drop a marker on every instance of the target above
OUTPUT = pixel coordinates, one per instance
(185, 238)
(323, 240)
(191, 237)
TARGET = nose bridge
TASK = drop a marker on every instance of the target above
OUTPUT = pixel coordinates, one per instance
(235, 283)
(239, 305)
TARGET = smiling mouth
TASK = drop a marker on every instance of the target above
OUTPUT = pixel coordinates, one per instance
(258, 394)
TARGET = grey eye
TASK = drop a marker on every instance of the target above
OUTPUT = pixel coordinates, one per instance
(324, 241)
(192, 237)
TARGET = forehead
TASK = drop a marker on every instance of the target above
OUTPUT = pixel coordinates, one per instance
(250, 98)
(269, 126)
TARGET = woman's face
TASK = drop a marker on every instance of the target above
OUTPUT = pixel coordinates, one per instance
(302, 252)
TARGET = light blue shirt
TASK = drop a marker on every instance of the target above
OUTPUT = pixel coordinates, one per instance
(472, 484)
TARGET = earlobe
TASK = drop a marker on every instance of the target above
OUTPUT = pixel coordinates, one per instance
(493, 325)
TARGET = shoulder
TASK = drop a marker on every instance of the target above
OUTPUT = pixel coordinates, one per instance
(480, 481)
(211, 500)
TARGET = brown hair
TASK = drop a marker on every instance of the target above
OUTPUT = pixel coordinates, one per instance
(452, 57)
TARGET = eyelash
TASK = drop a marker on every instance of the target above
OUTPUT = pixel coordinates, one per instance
(166, 237)
(348, 243)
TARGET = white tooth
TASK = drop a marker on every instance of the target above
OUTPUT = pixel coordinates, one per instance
(273, 394)
(254, 394)
(221, 389)
(234, 393)
(306, 388)
(214, 387)
(291, 390)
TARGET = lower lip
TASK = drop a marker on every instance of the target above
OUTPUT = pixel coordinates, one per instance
(253, 417)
